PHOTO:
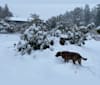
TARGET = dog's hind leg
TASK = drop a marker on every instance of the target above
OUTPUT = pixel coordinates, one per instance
(79, 61)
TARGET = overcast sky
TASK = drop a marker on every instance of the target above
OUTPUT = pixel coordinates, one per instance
(45, 8)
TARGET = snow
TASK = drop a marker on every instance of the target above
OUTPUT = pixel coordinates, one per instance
(17, 19)
(98, 28)
(43, 68)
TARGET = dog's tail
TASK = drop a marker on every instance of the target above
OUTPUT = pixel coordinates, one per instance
(84, 58)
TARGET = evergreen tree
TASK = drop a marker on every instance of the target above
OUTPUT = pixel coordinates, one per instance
(1, 11)
(98, 15)
(87, 15)
(5, 12)
(93, 14)
(35, 19)
(51, 23)
(34, 38)
(78, 16)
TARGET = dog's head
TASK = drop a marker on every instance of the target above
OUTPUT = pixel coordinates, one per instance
(58, 54)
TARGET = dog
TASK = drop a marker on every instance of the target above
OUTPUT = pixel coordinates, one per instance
(66, 55)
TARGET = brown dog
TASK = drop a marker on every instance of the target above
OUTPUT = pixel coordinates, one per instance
(66, 55)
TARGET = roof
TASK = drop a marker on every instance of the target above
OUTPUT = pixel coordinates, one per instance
(18, 19)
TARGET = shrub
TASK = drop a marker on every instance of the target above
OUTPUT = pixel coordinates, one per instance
(34, 38)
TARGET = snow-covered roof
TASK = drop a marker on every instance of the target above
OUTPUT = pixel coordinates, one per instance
(98, 28)
(17, 19)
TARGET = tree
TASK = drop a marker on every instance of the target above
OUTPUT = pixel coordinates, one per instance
(78, 16)
(6, 27)
(34, 38)
(87, 15)
(51, 23)
(35, 19)
(93, 15)
(98, 15)
(5, 12)
(1, 11)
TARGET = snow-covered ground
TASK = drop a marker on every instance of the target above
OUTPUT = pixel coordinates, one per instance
(43, 68)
